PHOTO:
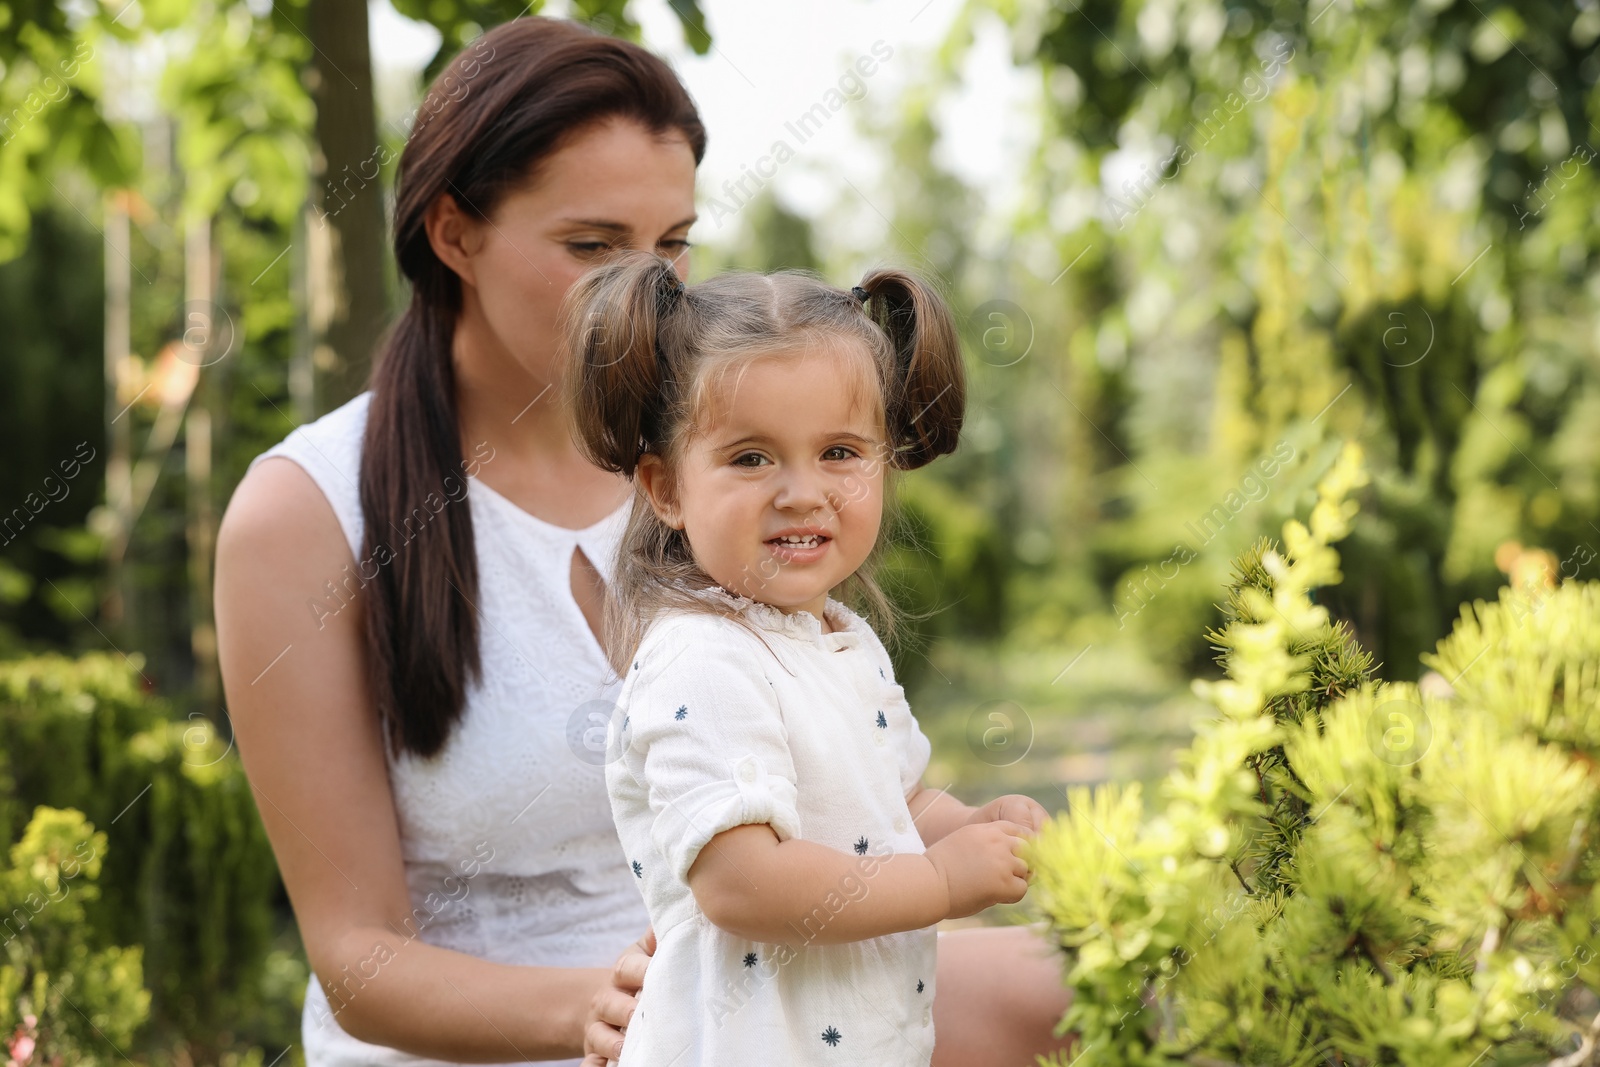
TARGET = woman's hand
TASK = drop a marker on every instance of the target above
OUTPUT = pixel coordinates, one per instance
(614, 1004)
(1024, 811)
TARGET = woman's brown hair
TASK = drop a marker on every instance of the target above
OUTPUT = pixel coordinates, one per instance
(645, 351)
(500, 108)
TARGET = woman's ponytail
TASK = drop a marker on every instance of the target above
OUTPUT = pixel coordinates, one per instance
(927, 392)
(422, 628)
(619, 371)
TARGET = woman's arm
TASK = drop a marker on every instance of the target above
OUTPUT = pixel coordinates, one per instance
(754, 885)
(313, 752)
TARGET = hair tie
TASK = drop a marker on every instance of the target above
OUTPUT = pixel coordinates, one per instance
(668, 296)
(860, 293)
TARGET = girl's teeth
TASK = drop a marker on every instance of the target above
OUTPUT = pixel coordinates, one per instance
(810, 542)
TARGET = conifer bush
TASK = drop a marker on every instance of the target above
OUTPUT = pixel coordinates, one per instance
(1343, 870)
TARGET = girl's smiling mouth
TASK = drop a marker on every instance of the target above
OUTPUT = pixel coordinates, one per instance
(799, 544)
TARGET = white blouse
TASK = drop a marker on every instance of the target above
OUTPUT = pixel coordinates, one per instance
(509, 848)
(717, 726)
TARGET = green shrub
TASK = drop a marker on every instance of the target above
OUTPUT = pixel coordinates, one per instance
(63, 999)
(186, 869)
(1344, 870)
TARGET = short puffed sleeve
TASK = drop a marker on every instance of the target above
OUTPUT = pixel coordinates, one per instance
(706, 738)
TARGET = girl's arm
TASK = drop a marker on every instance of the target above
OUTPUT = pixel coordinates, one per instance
(754, 885)
(311, 747)
(937, 813)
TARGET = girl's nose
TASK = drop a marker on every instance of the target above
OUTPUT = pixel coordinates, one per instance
(804, 491)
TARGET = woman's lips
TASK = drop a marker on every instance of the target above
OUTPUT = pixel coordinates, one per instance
(798, 548)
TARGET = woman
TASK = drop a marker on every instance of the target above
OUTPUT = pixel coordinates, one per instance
(408, 592)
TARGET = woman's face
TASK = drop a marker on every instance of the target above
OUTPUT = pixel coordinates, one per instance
(614, 185)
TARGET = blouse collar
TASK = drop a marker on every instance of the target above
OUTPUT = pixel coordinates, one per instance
(801, 625)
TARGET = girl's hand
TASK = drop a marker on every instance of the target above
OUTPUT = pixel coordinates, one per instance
(613, 1004)
(980, 866)
(1024, 811)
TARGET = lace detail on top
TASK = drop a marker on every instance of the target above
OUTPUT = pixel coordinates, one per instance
(849, 629)
(517, 795)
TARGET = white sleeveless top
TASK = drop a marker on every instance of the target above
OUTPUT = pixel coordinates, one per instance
(509, 847)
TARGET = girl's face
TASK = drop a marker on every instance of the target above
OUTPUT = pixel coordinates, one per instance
(780, 492)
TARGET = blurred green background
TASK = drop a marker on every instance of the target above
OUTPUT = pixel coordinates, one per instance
(1238, 234)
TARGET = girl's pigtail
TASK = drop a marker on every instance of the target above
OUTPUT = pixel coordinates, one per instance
(618, 375)
(927, 394)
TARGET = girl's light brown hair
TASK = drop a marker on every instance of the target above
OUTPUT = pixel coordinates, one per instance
(643, 348)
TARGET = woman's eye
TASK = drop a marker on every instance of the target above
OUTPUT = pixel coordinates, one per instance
(587, 248)
(678, 245)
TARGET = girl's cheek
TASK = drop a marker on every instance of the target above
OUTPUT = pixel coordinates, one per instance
(861, 486)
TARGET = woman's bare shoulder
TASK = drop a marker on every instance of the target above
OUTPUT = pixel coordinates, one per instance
(278, 510)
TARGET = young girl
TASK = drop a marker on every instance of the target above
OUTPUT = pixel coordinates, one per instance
(764, 769)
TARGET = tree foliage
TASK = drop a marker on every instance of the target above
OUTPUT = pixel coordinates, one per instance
(1375, 215)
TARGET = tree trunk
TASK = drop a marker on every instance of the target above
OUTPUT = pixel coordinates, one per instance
(200, 291)
(114, 608)
(302, 373)
(345, 249)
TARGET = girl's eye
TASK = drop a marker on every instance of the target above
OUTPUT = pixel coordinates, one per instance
(739, 460)
(844, 453)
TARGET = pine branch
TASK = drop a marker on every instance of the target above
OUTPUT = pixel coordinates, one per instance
(1233, 865)
(1371, 957)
